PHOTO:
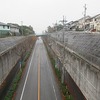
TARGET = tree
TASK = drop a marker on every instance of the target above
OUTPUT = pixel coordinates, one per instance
(26, 30)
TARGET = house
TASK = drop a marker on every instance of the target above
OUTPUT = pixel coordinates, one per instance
(14, 29)
(68, 26)
(87, 23)
(95, 23)
(4, 29)
(73, 26)
(83, 23)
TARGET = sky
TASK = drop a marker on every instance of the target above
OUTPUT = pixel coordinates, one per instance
(43, 13)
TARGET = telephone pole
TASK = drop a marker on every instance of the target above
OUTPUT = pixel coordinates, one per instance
(64, 25)
(56, 26)
(22, 27)
(85, 8)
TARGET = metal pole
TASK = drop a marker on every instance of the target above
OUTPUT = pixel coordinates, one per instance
(84, 15)
(22, 27)
(56, 44)
(64, 24)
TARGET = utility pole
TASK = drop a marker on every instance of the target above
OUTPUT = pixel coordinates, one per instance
(64, 24)
(85, 8)
(56, 59)
(22, 27)
(56, 26)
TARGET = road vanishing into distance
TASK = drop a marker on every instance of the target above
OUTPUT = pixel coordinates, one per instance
(38, 81)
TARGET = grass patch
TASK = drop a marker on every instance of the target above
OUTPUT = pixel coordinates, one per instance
(13, 87)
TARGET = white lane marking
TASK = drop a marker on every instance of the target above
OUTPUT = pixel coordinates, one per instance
(27, 76)
(54, 88)
(39, 75)
(51, 77)
(52, 81)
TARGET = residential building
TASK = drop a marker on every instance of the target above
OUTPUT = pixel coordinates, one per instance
(87, 24)
(95, 23)
(68, 26)
(82, 22)
(14, 29)
(73, 26)
(4, 29)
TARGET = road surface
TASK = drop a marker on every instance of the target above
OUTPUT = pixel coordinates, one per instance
(38, 81)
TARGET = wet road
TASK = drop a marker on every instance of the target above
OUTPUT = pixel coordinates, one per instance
(38, 81)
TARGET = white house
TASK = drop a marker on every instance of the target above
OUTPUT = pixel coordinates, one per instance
(95, 23)
(4, 28)
(82, 22)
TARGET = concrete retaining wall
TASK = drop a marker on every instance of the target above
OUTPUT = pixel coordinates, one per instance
(10, 56)
(84, 73)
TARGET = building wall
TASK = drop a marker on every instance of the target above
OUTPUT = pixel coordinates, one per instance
(98, 24)
(98, 27)
(14, 30)
(3, 28)
(81, 24)
(95, 24)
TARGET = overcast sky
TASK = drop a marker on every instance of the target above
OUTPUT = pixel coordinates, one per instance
(42, 13)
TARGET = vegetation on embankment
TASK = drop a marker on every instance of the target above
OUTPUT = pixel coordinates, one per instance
(63, 87)
(14, 84)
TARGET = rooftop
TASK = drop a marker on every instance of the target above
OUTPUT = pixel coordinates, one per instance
(13, 26)
(2, 24)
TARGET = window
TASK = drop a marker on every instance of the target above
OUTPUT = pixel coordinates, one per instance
(8, 27)
(3, 26)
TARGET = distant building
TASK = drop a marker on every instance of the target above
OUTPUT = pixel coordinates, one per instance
(95, 23)
(4, 29)
(74, 26)
(68, 26)
(87, 24)
(14, 29)
(83, 23)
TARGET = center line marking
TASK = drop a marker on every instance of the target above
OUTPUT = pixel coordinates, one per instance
(39, 77)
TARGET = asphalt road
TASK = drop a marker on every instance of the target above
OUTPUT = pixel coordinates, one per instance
(38, 81)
